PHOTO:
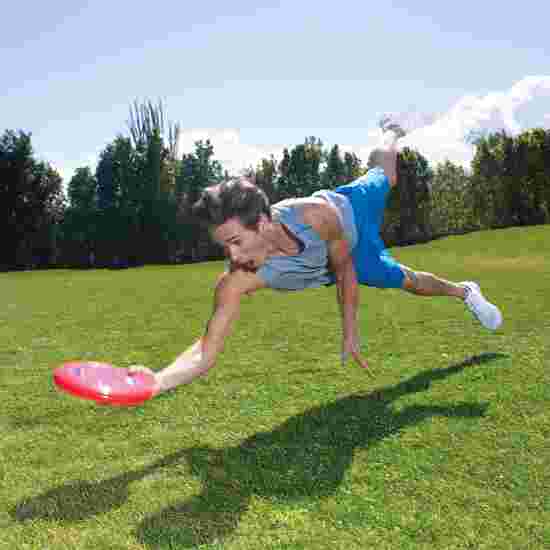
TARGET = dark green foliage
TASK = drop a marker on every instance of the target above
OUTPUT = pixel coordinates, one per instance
(135, 208)
(31, 203)
(407, 218)
(197, 171)
(511, 179)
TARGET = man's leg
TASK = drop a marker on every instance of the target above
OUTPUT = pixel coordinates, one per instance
(421, 283)
(427, 284)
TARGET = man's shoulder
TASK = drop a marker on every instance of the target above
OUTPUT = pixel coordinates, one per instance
(308, 210)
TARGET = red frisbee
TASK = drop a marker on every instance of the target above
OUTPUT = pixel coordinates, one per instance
(103, 383)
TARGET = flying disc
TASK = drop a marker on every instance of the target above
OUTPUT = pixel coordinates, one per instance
(104, 383)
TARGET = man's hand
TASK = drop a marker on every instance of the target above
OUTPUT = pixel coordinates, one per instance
(351, 346)
(140, 368)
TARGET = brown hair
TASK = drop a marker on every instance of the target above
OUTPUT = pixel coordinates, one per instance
(236, 198)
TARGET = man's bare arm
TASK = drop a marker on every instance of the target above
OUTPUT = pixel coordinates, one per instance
(325, 220)
(347, 287)
(201, 356)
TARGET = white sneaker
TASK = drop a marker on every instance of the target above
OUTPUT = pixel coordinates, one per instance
(486, 313)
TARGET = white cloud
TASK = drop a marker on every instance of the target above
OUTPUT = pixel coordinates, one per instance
(233, 155)
(546, 121)
(437, 136)
(447, 137)
(236, 156)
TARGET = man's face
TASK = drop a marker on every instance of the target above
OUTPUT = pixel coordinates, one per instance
(246, 248)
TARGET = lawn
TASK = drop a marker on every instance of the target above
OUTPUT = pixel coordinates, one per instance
(280, 447)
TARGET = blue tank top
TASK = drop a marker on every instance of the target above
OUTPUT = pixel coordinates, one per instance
(309, 268)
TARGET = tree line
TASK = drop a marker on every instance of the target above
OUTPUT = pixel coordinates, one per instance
(134, 209)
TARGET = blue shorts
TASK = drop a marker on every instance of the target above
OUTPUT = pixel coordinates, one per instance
(373, 262)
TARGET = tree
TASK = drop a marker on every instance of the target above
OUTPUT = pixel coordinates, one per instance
(145, 119)
(47, 204)
(127, 196)
(485, 170)
(335, 172)
(352, 167)
(300, 169)
(31, 201)
(510, 178)
(451, 200)
(198, 170)
(80, 222)
(266, 176)
(407, 217)
(534, 157)
(283, 181)
(156, 152)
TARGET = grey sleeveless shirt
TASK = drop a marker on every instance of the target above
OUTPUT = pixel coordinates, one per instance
(309, 268)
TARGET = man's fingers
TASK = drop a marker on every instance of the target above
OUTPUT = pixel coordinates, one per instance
(357, 357)
(363, 363)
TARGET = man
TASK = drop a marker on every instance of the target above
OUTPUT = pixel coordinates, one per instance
(329, 238)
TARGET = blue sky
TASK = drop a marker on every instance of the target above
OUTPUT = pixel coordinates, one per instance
(271, 74)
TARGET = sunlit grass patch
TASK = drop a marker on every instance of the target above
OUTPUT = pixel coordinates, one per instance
(280, 446)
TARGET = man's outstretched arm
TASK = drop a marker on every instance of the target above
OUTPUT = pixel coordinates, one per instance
(201, 356)
(347, 288)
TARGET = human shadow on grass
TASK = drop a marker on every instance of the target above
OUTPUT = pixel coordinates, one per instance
(80, 500)
(305, 457)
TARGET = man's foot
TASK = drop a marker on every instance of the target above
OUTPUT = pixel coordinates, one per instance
(486, 313)
(385, 156)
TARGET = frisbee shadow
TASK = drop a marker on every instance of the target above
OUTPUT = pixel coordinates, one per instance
(304, 458)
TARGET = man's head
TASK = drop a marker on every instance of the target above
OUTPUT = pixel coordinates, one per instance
(237, 215)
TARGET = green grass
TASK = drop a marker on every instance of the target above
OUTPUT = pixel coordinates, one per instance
(280, 446)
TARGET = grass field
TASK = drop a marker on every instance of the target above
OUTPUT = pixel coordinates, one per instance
(280, 446)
